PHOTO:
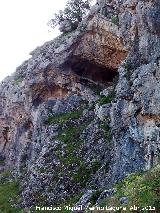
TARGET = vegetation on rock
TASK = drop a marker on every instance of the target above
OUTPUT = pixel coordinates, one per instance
(61, 118)
(106, 99)
(140, 189)
(72, 14)
(18, 80)
(9, 190)
(115, 20)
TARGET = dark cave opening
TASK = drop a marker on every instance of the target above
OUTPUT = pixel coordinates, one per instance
(91, 71)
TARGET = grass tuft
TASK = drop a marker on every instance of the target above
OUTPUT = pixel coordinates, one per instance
(9, 190)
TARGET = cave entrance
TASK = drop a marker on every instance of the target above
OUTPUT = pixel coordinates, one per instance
(93, 72)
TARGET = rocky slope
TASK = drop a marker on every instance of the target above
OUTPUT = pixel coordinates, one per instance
(83, 111)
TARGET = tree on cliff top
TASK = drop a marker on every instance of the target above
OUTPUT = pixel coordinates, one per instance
(69, 18)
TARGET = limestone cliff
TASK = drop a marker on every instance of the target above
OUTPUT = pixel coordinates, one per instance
(83, 111)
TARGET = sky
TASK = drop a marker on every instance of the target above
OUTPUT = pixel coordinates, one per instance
(23, 27)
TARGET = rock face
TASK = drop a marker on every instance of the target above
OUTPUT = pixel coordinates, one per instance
(135, 115)
(67, 127)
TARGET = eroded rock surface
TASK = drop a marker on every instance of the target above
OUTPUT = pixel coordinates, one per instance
(68, 128)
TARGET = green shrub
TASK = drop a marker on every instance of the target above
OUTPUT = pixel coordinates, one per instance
(63, 117)
(106, 99)
(18, 81)
(115, 20)
(107, 131)
(142, 190)
(9, 189)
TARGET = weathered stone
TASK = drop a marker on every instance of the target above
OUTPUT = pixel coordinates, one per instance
(103, 111)
(55, 134)
(123, 200)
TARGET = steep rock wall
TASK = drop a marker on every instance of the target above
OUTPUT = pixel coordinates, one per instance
(135, 115)
(61, 123)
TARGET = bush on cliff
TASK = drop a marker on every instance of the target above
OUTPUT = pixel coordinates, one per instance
(69, 18)
(141, 190)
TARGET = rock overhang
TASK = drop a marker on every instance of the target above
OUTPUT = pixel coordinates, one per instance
(99, 46)
(96, 40)
(101, 43)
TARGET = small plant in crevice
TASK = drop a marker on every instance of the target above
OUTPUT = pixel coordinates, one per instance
(127, 66)
(5, 177)
(107, 131)
(128, 73)
(104, 100)
(107, 99)
(18, 80)
(115, 20)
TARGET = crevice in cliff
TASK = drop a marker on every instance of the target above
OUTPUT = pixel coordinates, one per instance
(25, 127)
(46, 93)
(152, 159)
(5, 136)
